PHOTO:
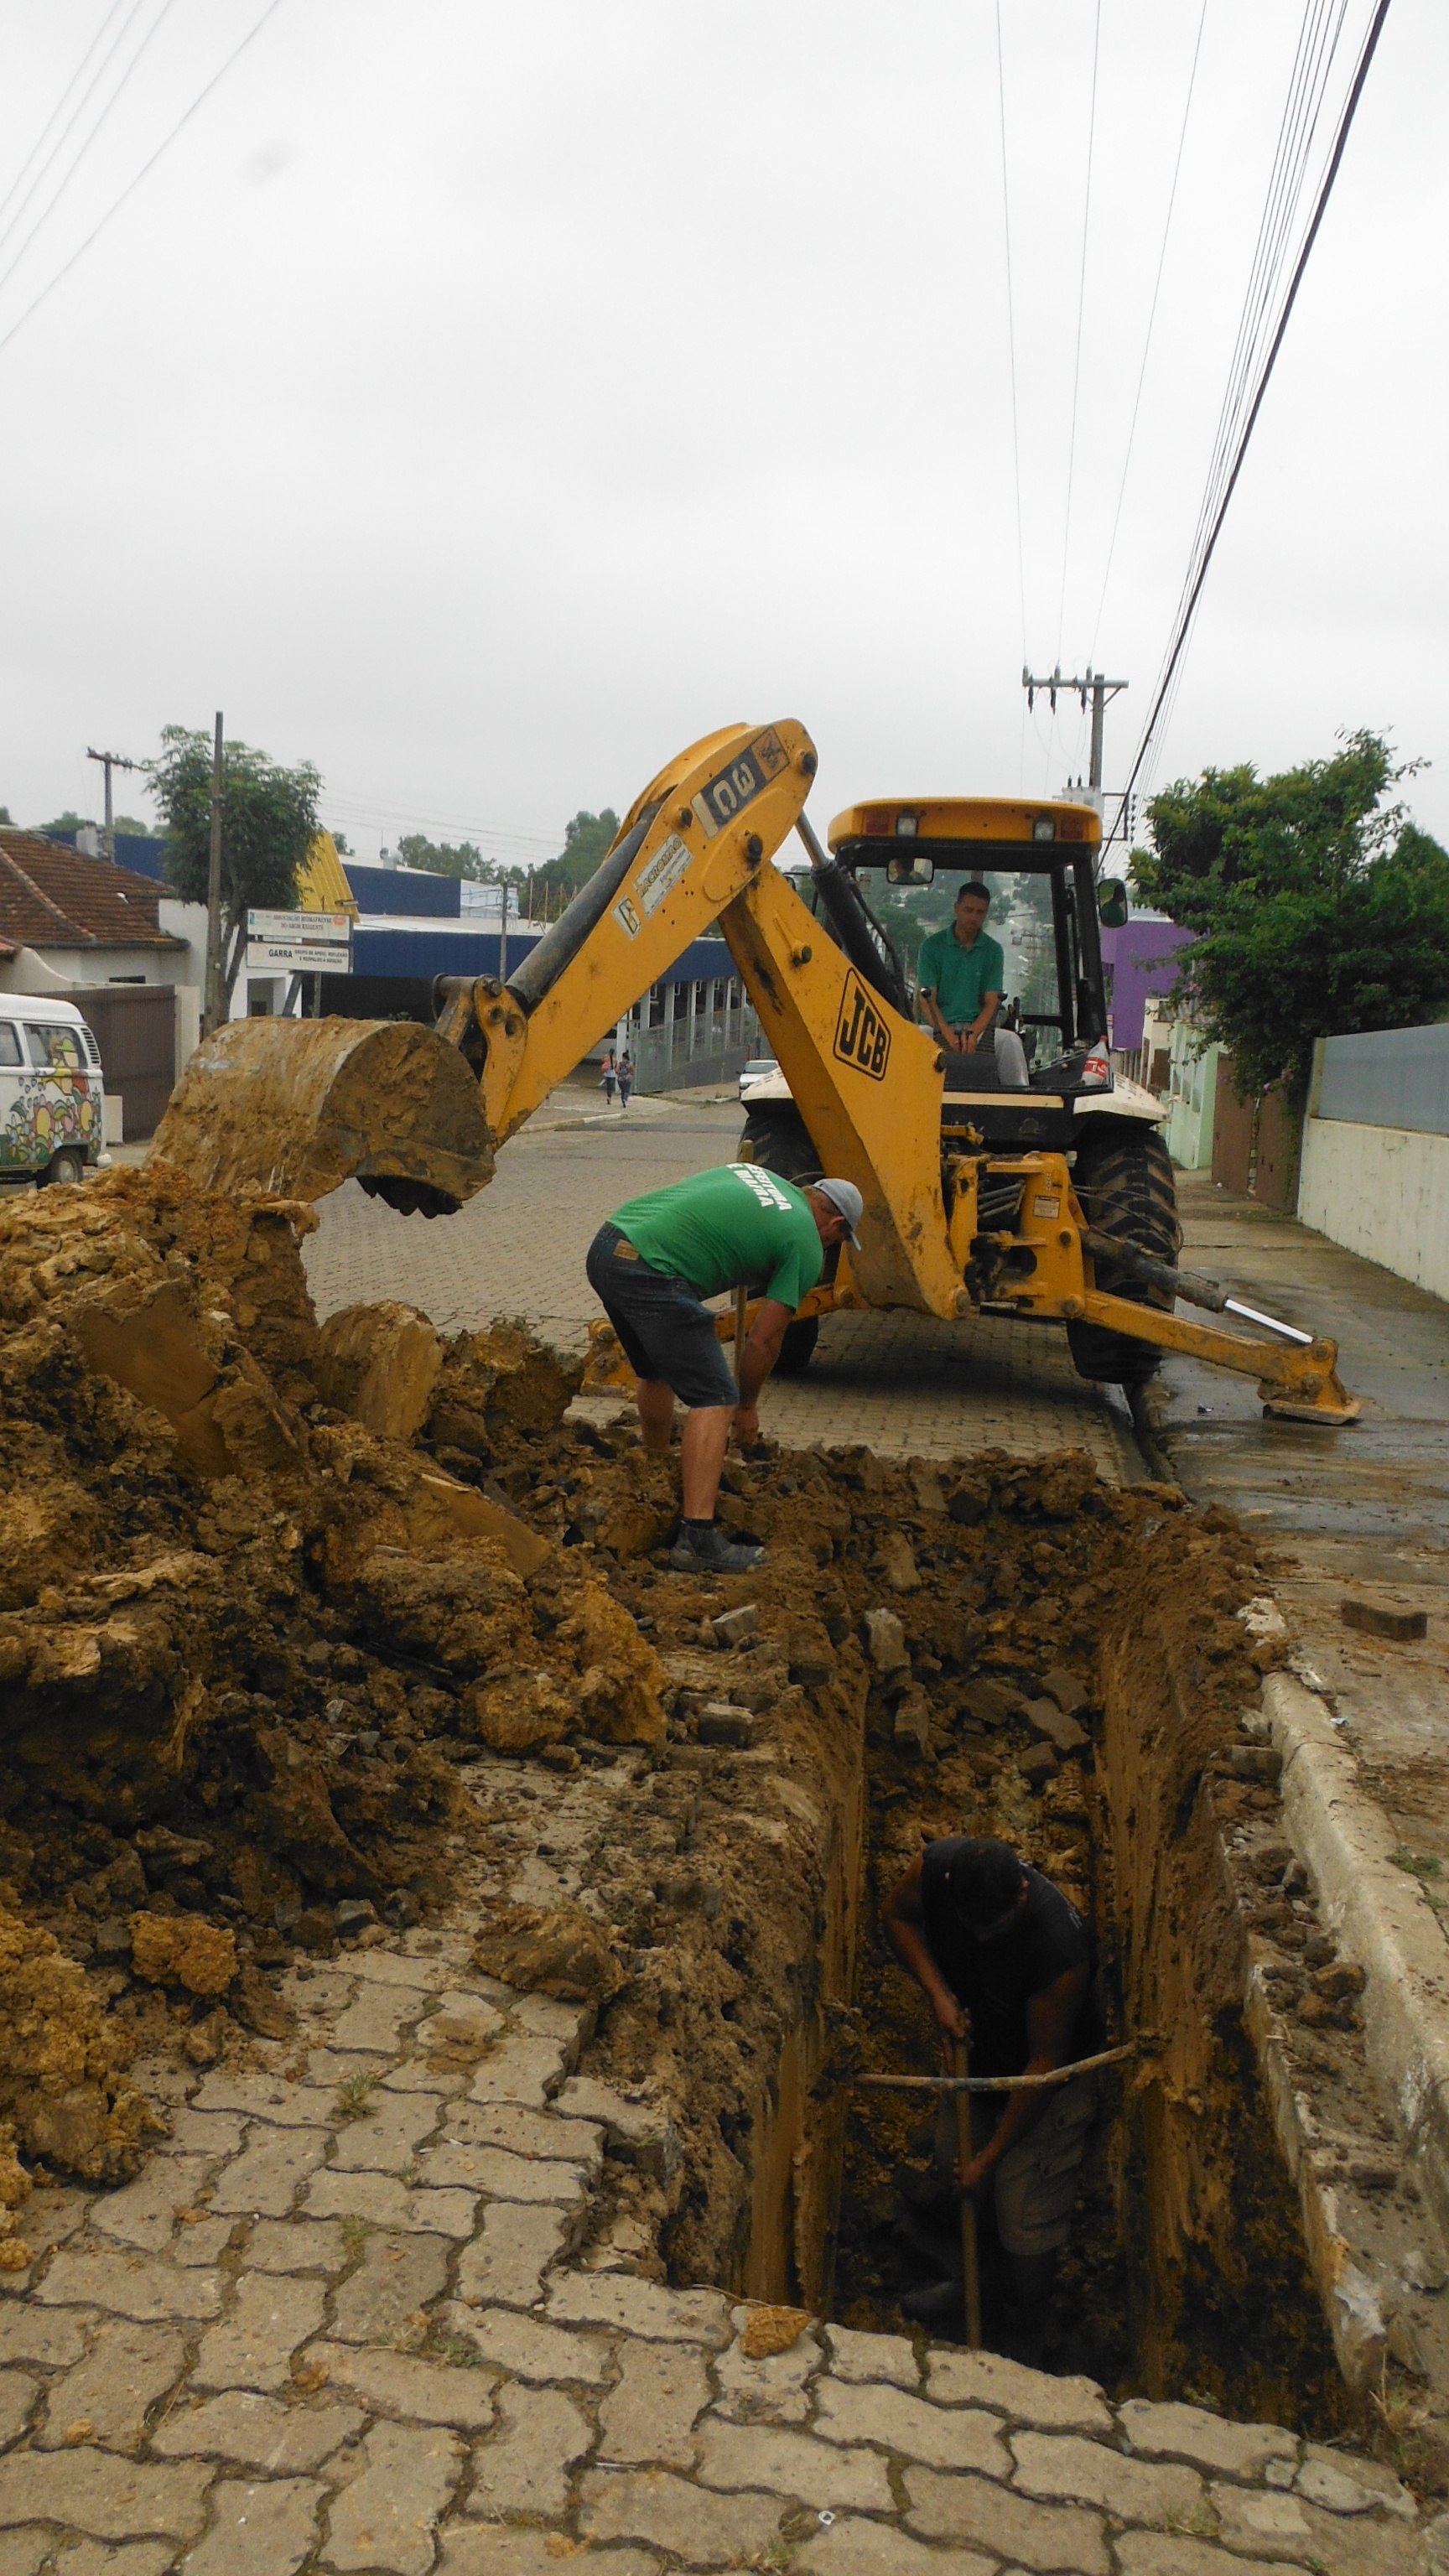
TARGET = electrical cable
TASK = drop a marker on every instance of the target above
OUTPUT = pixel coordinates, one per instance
(1325, 191)
(1081, 309)
(143, 173)
(23, 173)
(1147, 340)
(48, 210)
(54, 154)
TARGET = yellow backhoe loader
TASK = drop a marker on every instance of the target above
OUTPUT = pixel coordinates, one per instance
(1052, 1203)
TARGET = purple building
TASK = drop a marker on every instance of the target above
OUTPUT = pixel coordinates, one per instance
(1138, 960)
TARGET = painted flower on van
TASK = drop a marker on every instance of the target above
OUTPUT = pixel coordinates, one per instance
(48, 1111)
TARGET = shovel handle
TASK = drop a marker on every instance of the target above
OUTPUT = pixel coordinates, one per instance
(970, 2269)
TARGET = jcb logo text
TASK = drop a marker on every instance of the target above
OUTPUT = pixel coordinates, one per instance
(861, 1035)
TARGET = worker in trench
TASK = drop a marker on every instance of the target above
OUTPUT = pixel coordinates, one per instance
(1006, 1963)
(653, 1264)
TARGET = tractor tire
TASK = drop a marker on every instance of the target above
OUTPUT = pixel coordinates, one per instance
(797, 1349)
(1124, 1181)
(779, 1141)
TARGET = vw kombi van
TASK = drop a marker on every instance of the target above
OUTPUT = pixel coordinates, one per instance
(51, 1085)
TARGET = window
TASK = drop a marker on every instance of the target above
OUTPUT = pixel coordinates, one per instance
(9, 1043)
(55, 1048)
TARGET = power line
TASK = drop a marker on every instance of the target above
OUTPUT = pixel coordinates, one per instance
(1151, 319)
(1325, 191)
(23, 173)
(1081, 309)
(143, 173)
(43, 218)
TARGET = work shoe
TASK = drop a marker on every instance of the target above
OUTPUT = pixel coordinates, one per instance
(708, 1551)
(939, 2304)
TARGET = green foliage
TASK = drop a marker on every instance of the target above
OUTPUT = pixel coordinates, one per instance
(67, 822)
(6, 816)
(268, 822)
(133, 830)
(445, 858)
(1320, 909)
(586, 841)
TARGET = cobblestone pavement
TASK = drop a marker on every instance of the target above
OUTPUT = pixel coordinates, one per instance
(903, 1383)
(339, 2322)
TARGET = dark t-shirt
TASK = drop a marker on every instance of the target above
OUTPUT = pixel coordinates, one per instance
(995, 1980)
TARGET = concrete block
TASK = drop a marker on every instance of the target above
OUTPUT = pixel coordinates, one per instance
(397, 2383)
(1055, 2540)
(1172, 2432)
(113, 2390)
(388, 2517)
(128, 2285)
(649, 2416)
(793, 2464)
(508, 2258)
(254, 2347)
(945, 2437)
(524, 2466)
(1063, 2465)
(108, 2498)
(257, 2432)
(703, 2530)
(257, 2523)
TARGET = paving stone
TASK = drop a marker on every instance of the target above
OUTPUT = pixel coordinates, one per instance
(546, 2017)
(419, 2075)
(104, 2558)
(29, 2334)
(388, 2517)
(266, 2524)
(641, 2308)
(144, 2214)
(1286, 2526)
(296, 2245)
(1033, 2396)
(384, 2139)
(513, 2249)
(253, 2349)
(474, 2549)
(114, 2388)
(528, 2348)
(376, 2021)
(500, 2175)
(519, 2070)
(1344, 2483)
(335, 2066)
(704, 2530)
(524, 2466)
(17, 2396)
(267, 2097)
(215, 2134)
(110, 2499)
(385, 2202)
(854, 2548)
(792, 2464)
(258, 2431)
(1191, 2433)
(267, 2178)
(773, 2390)
(202, 2241)
(398, 2276)
(398, 1968)
(527, 2133)
(21, 2552)
(869, 2357)
(1053, 2539)
(650, 2414)
(396, 2383)
(641, 2132)
(944, 2437)
(1156, 2553)
(1063, 2465)
(129, 2285)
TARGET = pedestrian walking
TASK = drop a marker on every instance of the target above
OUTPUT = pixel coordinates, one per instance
(608, 1078)
(626, 1078)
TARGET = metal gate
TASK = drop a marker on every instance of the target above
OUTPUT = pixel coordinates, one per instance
(135, 1026)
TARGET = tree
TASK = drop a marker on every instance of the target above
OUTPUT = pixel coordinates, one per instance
(443, 858)
(343, 846)
(67, 822)
(1319, 908)
(268, 823)
(133, 830)
(586, 839)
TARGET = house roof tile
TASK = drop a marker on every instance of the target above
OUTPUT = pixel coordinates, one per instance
(52, 896)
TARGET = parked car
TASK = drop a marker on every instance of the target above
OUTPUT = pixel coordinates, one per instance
(755, 1071)
(51, 1087)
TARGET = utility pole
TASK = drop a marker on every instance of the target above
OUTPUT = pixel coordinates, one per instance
(1095, 686)
(503, 933)
(214, 1002)
(110, 760)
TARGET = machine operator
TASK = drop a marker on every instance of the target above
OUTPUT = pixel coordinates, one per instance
(962, 977)
(1007, 1963)
(652, 1266)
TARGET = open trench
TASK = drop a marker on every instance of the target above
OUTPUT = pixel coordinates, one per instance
(309, 1634)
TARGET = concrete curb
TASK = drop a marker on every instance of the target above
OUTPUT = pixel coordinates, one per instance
(1381, 1916)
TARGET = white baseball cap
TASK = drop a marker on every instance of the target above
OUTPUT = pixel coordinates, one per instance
(844, 1196)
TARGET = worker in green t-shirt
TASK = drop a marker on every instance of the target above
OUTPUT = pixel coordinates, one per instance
(654, 1263)
(961, 977)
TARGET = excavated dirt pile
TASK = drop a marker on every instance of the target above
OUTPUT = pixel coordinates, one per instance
(304, 1631)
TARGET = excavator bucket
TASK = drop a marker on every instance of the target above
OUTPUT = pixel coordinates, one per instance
(296, 1107)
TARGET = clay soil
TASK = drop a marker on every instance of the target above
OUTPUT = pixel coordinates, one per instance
(272, 1595)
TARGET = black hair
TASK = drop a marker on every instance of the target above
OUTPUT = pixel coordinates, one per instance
(974, 886)
(985, 1879)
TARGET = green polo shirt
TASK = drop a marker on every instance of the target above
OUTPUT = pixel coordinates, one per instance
(734, 1226)
(960, 977)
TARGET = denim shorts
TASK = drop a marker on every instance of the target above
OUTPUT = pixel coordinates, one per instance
(664, 1329)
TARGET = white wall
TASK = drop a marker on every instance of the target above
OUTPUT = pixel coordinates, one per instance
(1382, 1192)
(1192, 1098)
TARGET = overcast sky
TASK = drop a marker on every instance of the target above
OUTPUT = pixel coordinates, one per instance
(485, 401)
